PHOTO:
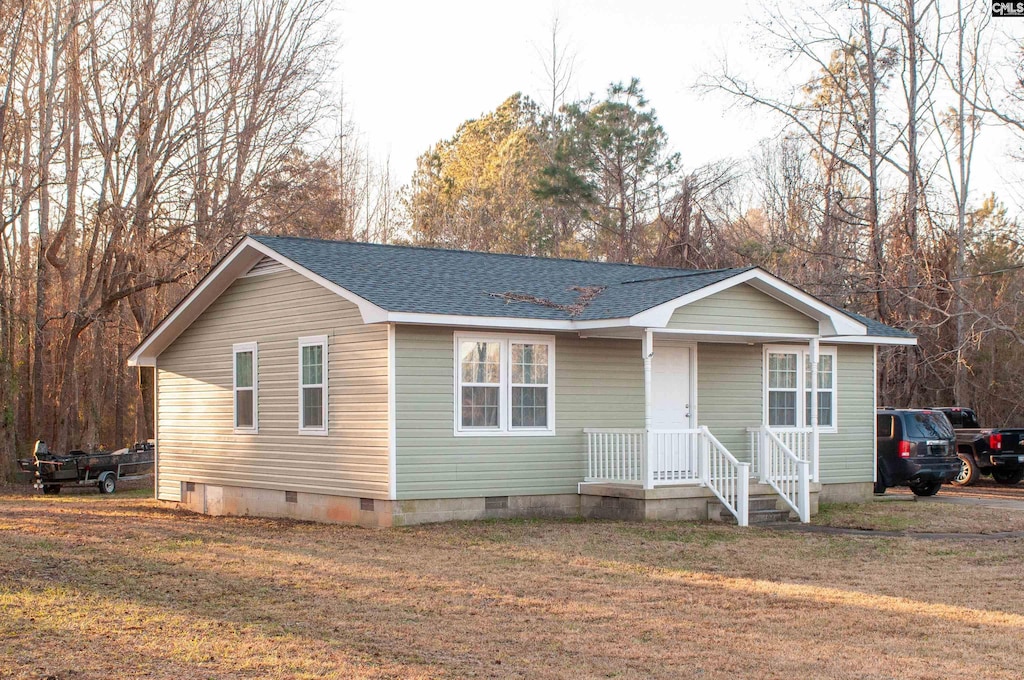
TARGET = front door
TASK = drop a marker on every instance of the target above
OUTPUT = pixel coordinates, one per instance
(674, 452)
(670, 383)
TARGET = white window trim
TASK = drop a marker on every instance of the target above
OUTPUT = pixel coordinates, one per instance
(237, 349)
(504, 428)
(801, 387)
(313, 341)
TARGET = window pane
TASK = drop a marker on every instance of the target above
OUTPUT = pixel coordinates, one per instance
(480, 407)
(529, 407)
(313, 365)
(824, 371)
(243, 369)
(481, 362)
(824, 409)
(530, 364)
(782, 371)
(782, 408)
(243, 408)
(312, 407)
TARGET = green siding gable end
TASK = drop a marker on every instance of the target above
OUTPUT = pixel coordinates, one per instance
(742, 308)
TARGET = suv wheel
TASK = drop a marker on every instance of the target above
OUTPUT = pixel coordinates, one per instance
(968, 472)
(1008, 477)
(926, 488)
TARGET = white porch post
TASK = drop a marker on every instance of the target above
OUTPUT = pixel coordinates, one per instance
(648, 458)
(814, 407)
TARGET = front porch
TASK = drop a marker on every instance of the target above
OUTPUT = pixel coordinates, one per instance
(677, 456)
(673, 474)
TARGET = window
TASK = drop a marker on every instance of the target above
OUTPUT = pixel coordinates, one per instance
(313, 385)
(788, 389)
(782, 391)
(504, 385)
(245, 379)
(884, 424)
(826, 389)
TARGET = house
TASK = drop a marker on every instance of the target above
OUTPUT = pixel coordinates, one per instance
(387, 385)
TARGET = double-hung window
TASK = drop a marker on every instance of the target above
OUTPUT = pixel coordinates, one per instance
(504, 385)
(245, 387)
(788, 387)
(313, 385)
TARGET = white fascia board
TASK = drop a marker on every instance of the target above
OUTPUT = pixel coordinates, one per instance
(872, 340)
(509, 322)
(831, 320)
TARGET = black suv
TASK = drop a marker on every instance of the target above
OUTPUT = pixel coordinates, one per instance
(916, 448)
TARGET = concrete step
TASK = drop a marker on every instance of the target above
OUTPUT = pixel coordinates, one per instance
(763, 503)
(758, 516)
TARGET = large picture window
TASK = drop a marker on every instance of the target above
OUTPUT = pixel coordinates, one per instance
(313, 385)
(245, 387)
(504, 385)
(788, 387)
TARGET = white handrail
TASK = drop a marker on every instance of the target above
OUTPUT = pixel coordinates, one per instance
(727, 477)
(785, 472)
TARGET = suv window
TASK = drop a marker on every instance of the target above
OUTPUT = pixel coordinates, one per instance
(927, 425)
(885, 426)
(963, 418)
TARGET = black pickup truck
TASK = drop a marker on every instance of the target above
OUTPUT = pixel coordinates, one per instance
(984, 451)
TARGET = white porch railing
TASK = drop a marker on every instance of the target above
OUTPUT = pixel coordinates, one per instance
(797, 439)
(660, 457)
(616, 455)
(782, 468)
(727, 478)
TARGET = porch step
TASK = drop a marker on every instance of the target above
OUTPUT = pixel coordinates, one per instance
(760, 511)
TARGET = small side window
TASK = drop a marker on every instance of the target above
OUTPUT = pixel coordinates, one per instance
(313, 385)
(885, 426)
(245, 387)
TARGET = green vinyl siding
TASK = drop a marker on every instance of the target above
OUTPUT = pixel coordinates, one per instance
(196, 440)
(848, 455)
(598, 383)
(729, 393)
(742, 308)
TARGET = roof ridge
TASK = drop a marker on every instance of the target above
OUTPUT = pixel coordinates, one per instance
(688, 273)
(271, 237)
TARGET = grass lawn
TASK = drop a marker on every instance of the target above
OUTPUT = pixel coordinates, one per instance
(102, 587)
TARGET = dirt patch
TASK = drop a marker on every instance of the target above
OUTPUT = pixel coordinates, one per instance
(108, 586)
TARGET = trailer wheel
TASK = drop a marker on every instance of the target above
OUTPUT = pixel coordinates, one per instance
(51, 489)
(108, 483)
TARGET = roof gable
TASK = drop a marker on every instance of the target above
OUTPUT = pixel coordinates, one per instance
(742, 308)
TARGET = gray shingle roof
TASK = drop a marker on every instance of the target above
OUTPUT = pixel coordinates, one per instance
(878, 328)
(465, 283)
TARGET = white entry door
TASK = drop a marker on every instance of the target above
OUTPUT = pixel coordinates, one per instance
(674, 453)
(670, 383)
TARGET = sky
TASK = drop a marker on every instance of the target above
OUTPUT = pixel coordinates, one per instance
(413, 71)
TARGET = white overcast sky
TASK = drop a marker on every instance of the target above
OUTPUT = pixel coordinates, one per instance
(413, 71)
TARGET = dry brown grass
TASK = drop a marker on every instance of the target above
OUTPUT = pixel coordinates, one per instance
(904, 513)
(100, 587)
